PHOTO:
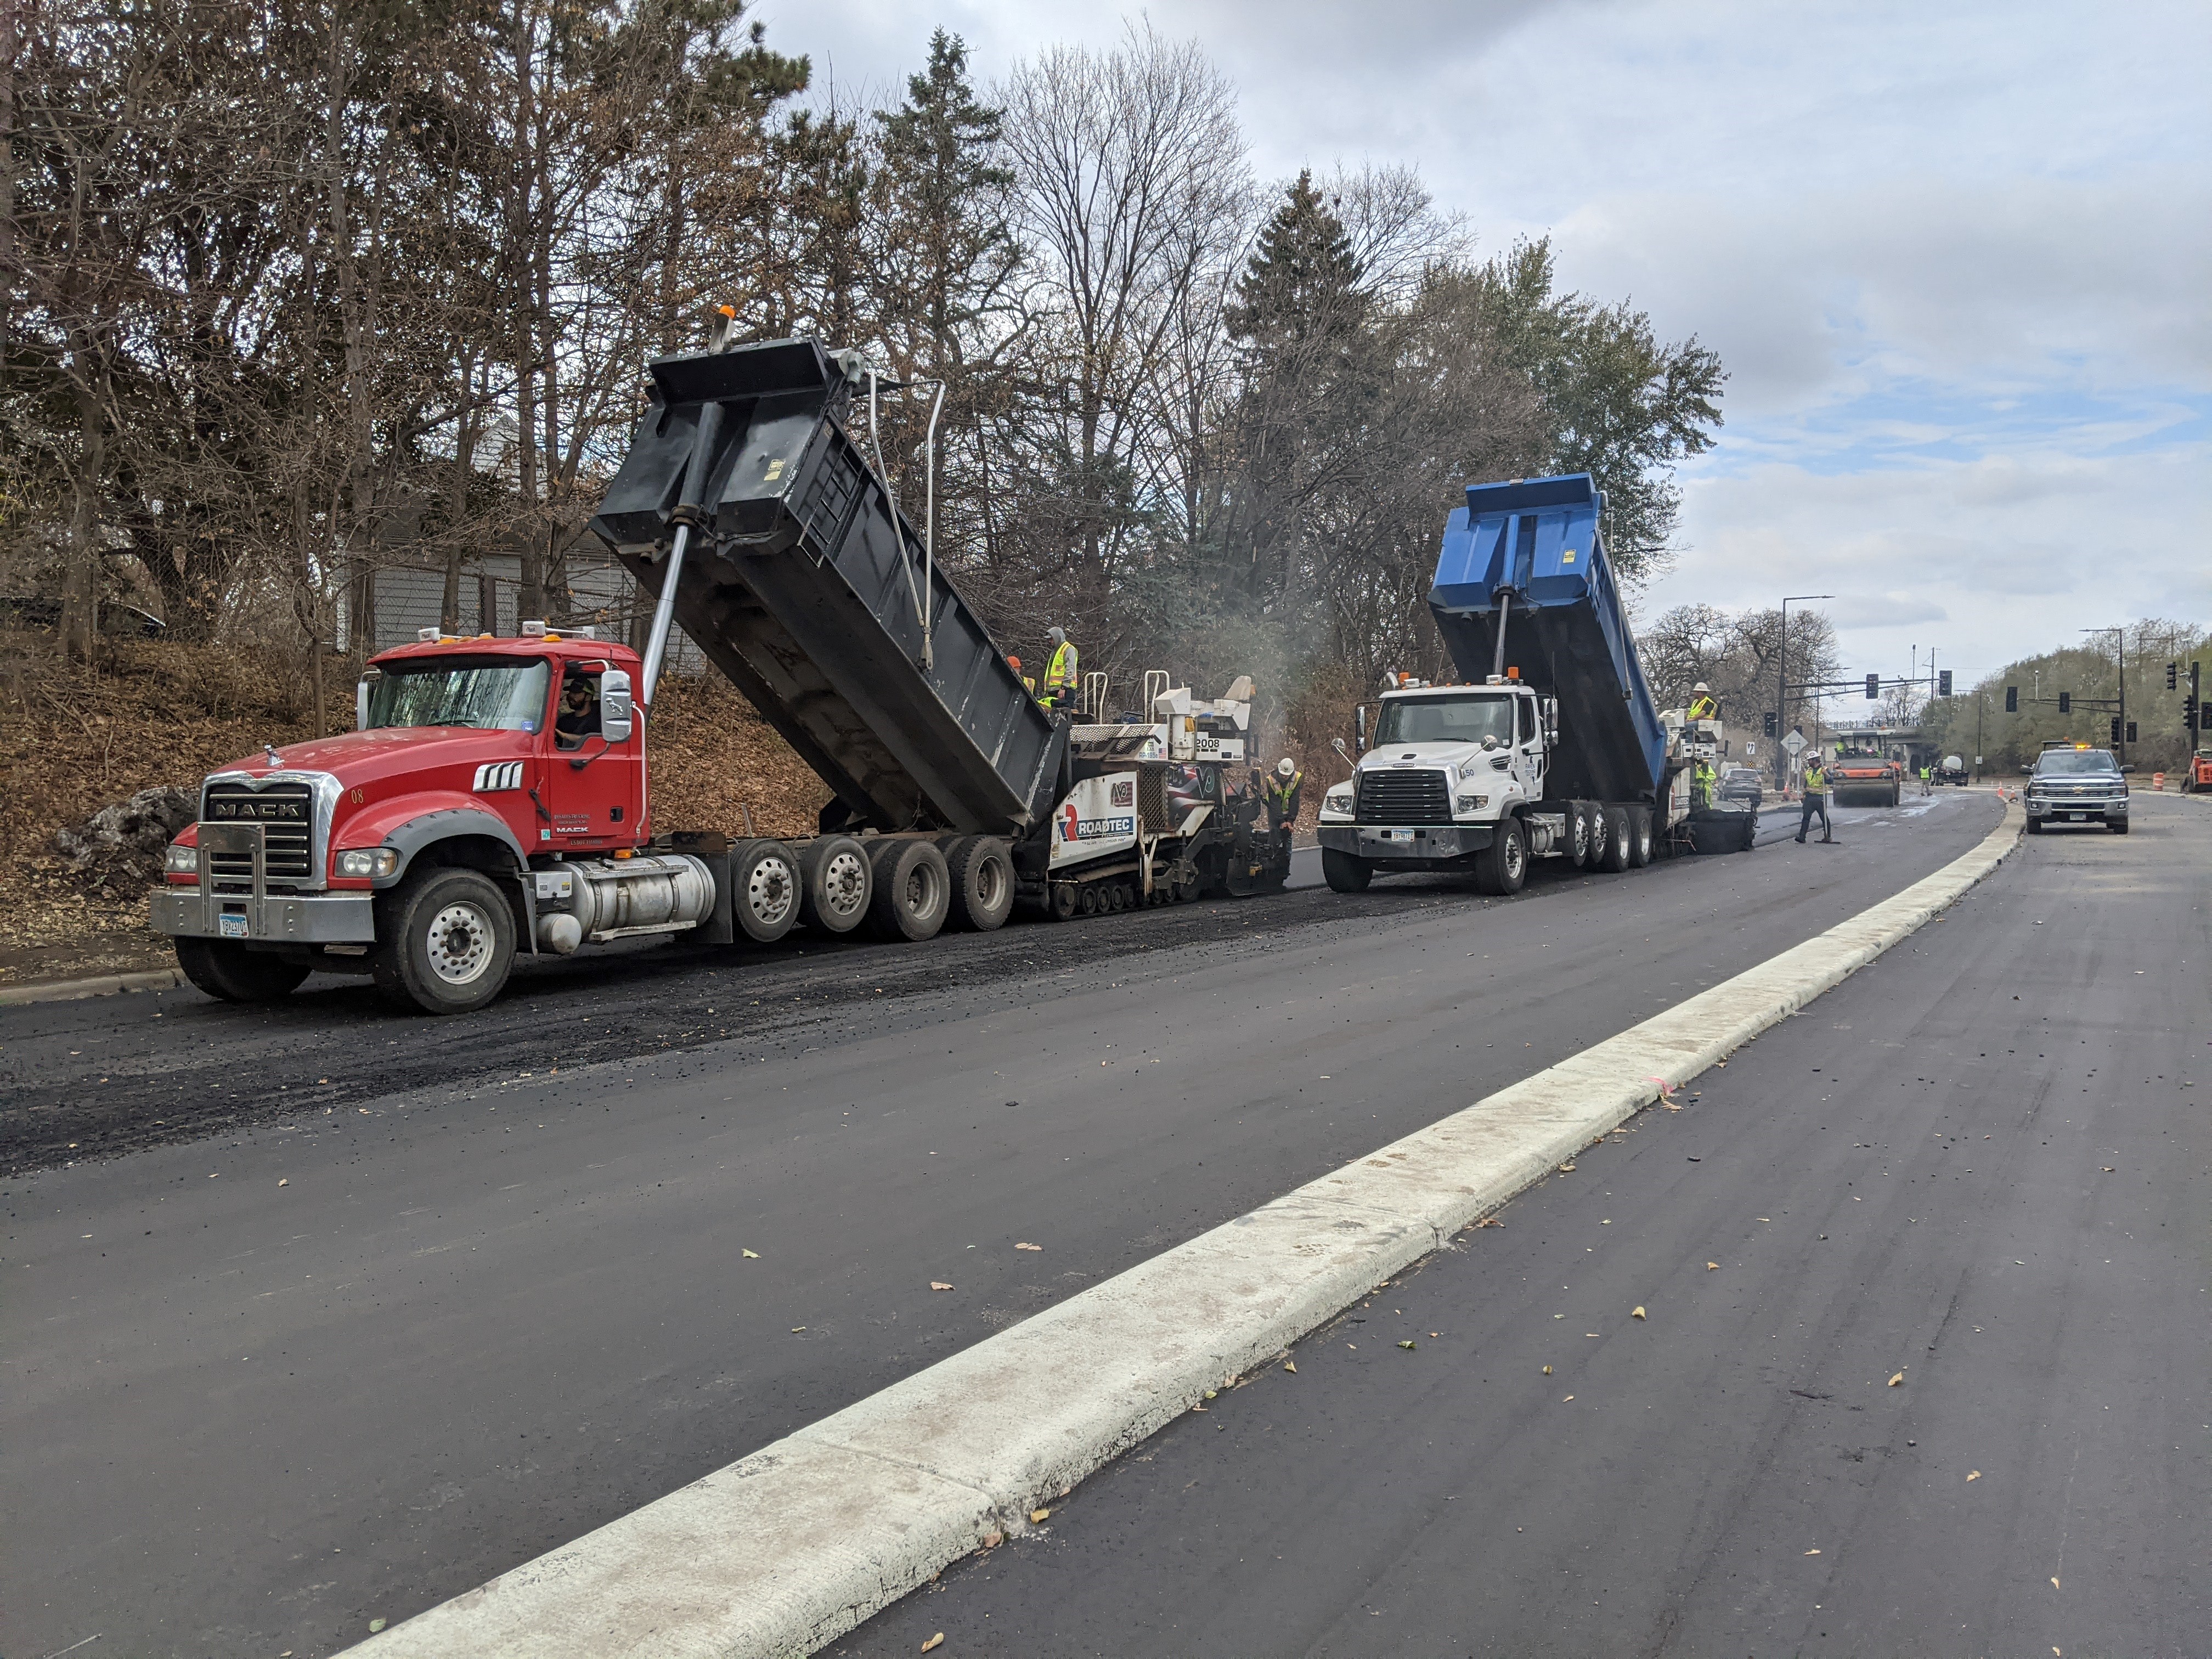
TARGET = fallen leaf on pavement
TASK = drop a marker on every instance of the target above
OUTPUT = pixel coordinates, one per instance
(1547, 1370)
(1405, 1344)
(1565, 1402)
(1291, 1366)
(1898, 1380)
(2054, 1584)
(1636, 1313)
(938, 1285)
(992, 1539)
(1040, 1515)
(795, 1330)
(1712, 1266)
(1566, 1169)
(1490, 1221)
(286, 1182)
(1973, 1474)
(752, 1256)
(932, 1641)
(1029, 1247)
(1812, 1551)
(375, 1626)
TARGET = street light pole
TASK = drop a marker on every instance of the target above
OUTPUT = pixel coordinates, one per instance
(1782, 688)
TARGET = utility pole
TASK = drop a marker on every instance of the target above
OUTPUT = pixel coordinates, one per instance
(1781, 690)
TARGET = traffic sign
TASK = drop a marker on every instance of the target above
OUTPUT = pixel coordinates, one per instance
(1795, 743)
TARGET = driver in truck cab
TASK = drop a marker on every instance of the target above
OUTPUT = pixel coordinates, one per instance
(579, 712)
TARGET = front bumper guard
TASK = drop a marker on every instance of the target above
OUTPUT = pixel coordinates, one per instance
(258, 915)
(2095, 808)
(1418, 845)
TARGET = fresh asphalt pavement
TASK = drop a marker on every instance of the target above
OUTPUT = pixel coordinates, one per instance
(318, 1315)
(1890, 1395)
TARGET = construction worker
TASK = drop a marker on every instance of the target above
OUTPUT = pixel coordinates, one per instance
(1029, 681)
(1702, 779)
(1063, 675)
(1816, 800)
(1924, 787)
(1702, 705)
(1282, 794)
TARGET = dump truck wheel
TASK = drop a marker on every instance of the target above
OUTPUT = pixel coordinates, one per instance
(765, 888)
(1640, 835)
(1619, 834)
(913, 890)
(1578, 834)
(982, 878)
(834, 884)
(234, 974)
(1501, 867)
(450, 944)
(1343, 873)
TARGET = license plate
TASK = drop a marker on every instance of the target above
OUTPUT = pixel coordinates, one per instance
(230, 926)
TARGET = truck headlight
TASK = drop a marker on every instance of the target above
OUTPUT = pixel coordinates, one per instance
(1338, 800)
(369, 863)
(1473, 803)
(182, 860)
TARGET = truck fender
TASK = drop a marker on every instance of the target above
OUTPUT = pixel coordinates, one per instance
(408, 823)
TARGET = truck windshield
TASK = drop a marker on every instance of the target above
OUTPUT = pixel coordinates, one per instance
(1444, 719)
(493, 693)
(2075, 760)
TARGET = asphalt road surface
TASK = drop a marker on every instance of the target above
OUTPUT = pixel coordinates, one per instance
(1918, 1179)
(318, 1315)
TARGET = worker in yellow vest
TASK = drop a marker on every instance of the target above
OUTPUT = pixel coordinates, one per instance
(1029, 681)
(1816, 800)
(1702, 779)
(1282, 795)
(1063, 674)
(1702, 705)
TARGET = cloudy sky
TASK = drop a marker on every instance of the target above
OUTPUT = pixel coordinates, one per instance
(1957, 258)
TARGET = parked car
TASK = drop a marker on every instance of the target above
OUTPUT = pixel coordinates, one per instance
(1741, 786)
(45, 615)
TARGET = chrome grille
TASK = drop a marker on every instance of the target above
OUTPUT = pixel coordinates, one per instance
(1410, 797)
(286, 813)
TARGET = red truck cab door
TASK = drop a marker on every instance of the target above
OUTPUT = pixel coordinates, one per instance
(594, 761)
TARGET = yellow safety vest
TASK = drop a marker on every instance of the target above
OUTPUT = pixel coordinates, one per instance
(1816, 780)
(1061, 672)
(1703, 709)
(1279, 791)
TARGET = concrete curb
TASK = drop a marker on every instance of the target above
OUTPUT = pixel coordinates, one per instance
(100, 985)
(785, 1550)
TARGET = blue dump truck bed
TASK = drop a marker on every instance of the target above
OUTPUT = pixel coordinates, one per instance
(804, 586)
(1530, 550)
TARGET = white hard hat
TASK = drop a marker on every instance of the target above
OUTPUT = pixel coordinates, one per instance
(1283, 767)
(1701, 686)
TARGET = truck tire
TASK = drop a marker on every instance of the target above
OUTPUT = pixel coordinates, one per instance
(2118, 826)
(765, 889)
(233, 973)
(448, 942)
(1343, 873)
(1640, 835)
(913, 889)
(1501, 867)
(983, 877)
(1578, 835)
(834, 884)
(1619, 834)
(2035, 826)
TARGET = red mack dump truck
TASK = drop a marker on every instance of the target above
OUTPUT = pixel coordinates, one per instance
(493, 800)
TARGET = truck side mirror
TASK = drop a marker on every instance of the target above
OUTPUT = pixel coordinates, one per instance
(1360, 727)
(617, 717)
(360, 706)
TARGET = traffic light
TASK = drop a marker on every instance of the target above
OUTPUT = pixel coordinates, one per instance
(1767, 729)
(2012, 700)
(1943, 684)
(2172, 675)
(2116, 731)
(1873, 687)
(2065, 702)
(2131, 732)
(2189, 711)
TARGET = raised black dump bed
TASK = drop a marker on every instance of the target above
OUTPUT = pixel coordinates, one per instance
(801, 582)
